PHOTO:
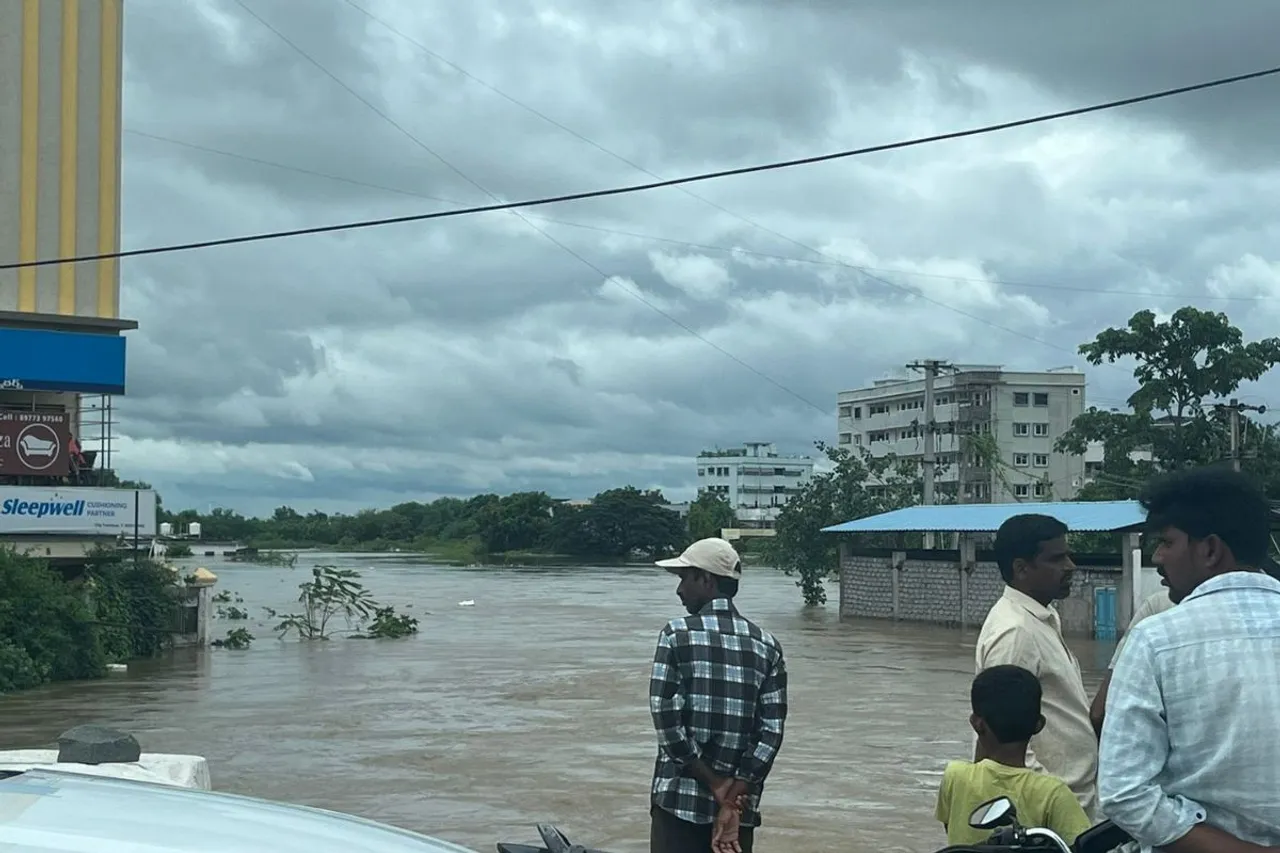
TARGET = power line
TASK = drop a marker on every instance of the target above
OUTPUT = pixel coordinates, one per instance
(827, 260)
(608, 277)
(651, 237)
(652, 185)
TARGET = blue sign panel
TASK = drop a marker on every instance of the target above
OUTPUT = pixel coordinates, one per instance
(38, 360)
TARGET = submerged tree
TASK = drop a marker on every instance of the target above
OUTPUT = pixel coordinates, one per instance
(858, 486)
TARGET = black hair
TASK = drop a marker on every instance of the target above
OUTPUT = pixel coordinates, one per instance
(1020, 537)
(1213, 500)
(1007, 699)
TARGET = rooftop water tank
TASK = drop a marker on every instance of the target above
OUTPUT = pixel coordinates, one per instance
(193, 529)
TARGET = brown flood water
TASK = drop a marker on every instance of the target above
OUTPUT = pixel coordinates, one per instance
(531, 707)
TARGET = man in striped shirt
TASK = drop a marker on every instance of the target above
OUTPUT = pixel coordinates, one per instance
(718, 696)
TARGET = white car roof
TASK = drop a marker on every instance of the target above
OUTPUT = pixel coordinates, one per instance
(45, 811)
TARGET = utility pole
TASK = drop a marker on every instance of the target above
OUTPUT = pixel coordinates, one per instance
(1234, 408)
(931, 368)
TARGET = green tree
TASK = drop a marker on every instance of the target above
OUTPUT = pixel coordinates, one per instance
(708, 515)
(1182, 365)
(858, 486)
(617, 523)
(516, 522)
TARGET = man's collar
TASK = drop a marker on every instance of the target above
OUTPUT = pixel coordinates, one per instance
(1029, 604)
(717, 605)
(1243, 579)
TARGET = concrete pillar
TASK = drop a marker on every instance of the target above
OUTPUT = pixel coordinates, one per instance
(968, 559)
(1130, 589)
(896, 564)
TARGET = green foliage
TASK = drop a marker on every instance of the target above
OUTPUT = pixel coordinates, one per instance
(859, 486)
(237, 639)
(708, 515)
(1183, 366)
(617, 524)
(52, 629)
(330, 593)
(389, 625)
(178, 550)
(46, 631)
(134, 603)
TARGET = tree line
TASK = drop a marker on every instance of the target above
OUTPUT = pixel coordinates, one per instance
(615, 524)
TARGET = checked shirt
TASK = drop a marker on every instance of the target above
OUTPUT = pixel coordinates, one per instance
(718, 693)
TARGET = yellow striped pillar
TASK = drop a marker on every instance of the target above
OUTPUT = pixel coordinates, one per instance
(60, 86)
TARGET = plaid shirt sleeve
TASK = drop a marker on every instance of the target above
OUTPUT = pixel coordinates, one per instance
(666, 703)
(770, 720)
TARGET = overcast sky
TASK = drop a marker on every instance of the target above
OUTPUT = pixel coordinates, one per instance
(477, 354)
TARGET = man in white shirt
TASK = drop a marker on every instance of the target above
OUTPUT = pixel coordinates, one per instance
(1156, 603)
(1190, 757)
(1024, 630)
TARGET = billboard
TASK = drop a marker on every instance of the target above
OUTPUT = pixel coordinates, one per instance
(35, 444)
(28, 510)
(40, 360)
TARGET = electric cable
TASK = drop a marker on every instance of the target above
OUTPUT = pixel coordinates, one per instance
(630, 189)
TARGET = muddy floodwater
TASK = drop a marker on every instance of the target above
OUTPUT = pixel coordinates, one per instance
(531, 706)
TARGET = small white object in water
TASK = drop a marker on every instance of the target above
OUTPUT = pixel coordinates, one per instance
(117, 667)
(468, 603)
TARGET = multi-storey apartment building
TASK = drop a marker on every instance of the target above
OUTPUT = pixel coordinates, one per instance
(755, 479)
(1024, 413)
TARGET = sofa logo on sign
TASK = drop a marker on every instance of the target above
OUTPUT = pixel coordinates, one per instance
(43, 509)
(35, 443)
(38, 447)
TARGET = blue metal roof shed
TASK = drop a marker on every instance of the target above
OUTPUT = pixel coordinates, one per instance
(1096, 516)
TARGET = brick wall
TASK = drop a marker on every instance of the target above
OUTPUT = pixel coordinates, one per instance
(929, 590)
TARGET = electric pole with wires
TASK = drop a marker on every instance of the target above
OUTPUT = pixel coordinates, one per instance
(1233, 410)
(931, 367)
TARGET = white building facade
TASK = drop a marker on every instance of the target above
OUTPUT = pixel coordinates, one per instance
(755, 479)
(1023, 412)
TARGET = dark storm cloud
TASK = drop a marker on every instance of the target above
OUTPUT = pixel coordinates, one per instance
(476, 354)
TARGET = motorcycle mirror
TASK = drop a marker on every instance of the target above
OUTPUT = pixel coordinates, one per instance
(993, 813)
(553, 839)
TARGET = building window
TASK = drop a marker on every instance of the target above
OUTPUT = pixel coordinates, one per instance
(1021, 460)
(1075, 392)
(857, 411)
(944, 400)
(1042, 399)
(702, 472)
(1021, 429)
(1021, 490)
(1042, 490)
(846, 411)
(1042, 460)
(1021, 398)
(1040, 430)
(880, 409)
(857, 439)
(846, 438)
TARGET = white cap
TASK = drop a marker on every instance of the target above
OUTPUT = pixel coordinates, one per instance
(714, 556)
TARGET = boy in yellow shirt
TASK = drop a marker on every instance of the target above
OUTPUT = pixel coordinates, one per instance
(1006, 713)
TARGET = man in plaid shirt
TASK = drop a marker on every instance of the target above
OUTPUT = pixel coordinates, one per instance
(718, 695)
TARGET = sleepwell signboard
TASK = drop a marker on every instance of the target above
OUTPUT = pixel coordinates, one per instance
(76, 512)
